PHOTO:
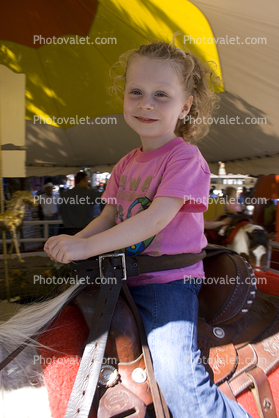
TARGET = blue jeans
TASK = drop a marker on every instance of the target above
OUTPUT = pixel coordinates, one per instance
(169, 312)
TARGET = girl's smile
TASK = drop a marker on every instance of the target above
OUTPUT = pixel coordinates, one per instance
(154, 99)
(145, 120)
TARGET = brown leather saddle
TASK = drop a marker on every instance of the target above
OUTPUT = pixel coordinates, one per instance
(236, 323)
(239, 349)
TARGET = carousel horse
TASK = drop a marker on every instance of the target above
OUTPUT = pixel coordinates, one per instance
(238, 336)
(13, 217)
(247, 239)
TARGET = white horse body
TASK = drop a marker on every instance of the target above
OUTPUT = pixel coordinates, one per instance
(241, 244)
(30, 400)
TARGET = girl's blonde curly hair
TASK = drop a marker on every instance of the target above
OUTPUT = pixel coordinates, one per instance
(194, 75)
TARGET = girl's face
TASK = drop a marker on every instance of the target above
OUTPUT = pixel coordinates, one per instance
(154, 99)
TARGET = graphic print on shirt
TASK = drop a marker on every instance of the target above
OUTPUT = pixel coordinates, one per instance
(143, 203)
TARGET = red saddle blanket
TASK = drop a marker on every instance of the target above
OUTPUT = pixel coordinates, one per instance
(215, 238)
(229, 239)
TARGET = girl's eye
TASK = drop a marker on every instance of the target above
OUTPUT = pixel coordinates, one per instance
(136, 92)
(160, 94)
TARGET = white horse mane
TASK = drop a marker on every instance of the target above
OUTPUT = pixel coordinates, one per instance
(22, 389)
(252, 227)
(29, 320)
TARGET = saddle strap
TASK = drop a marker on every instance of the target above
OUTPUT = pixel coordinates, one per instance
(226, 389)
(89, 371)
(262, 393)
(159, 403)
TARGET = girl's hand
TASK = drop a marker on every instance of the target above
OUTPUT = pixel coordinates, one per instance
(66, 248)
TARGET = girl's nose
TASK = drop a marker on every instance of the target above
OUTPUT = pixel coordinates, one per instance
(146, 103)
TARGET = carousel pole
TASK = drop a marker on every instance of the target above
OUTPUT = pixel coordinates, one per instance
(2, 209)
(277, 223)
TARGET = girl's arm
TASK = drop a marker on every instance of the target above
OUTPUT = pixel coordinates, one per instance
(143, 225)
(103, 222)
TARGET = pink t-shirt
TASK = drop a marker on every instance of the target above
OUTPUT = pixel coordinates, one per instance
(176, 169)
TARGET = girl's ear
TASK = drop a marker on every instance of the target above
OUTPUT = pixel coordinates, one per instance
(186, 107)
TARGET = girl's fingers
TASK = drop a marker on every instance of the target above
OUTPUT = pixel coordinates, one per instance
(60, 253)
(52, 250)
(49, 245)
(59, 248)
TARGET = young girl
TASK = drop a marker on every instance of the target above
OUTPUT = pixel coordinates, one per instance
(232, 206)
(161, 193)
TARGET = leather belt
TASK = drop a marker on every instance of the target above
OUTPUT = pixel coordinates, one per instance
(136, 265)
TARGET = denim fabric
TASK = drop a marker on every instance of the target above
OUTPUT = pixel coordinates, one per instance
(169, 312)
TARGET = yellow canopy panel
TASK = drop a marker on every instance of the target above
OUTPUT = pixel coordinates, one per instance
(67, 80)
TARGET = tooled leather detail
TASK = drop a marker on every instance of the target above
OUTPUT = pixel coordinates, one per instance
(119, 401)
(272, 345)
(267, 405)
(218, 359)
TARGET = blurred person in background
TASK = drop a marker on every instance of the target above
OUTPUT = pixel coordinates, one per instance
(232, 207)
(49, 208)
(270, 211)
(79, 205)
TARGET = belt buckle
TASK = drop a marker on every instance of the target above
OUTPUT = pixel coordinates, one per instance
(122, 262)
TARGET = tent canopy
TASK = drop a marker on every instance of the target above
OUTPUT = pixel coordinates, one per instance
(66, 81)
